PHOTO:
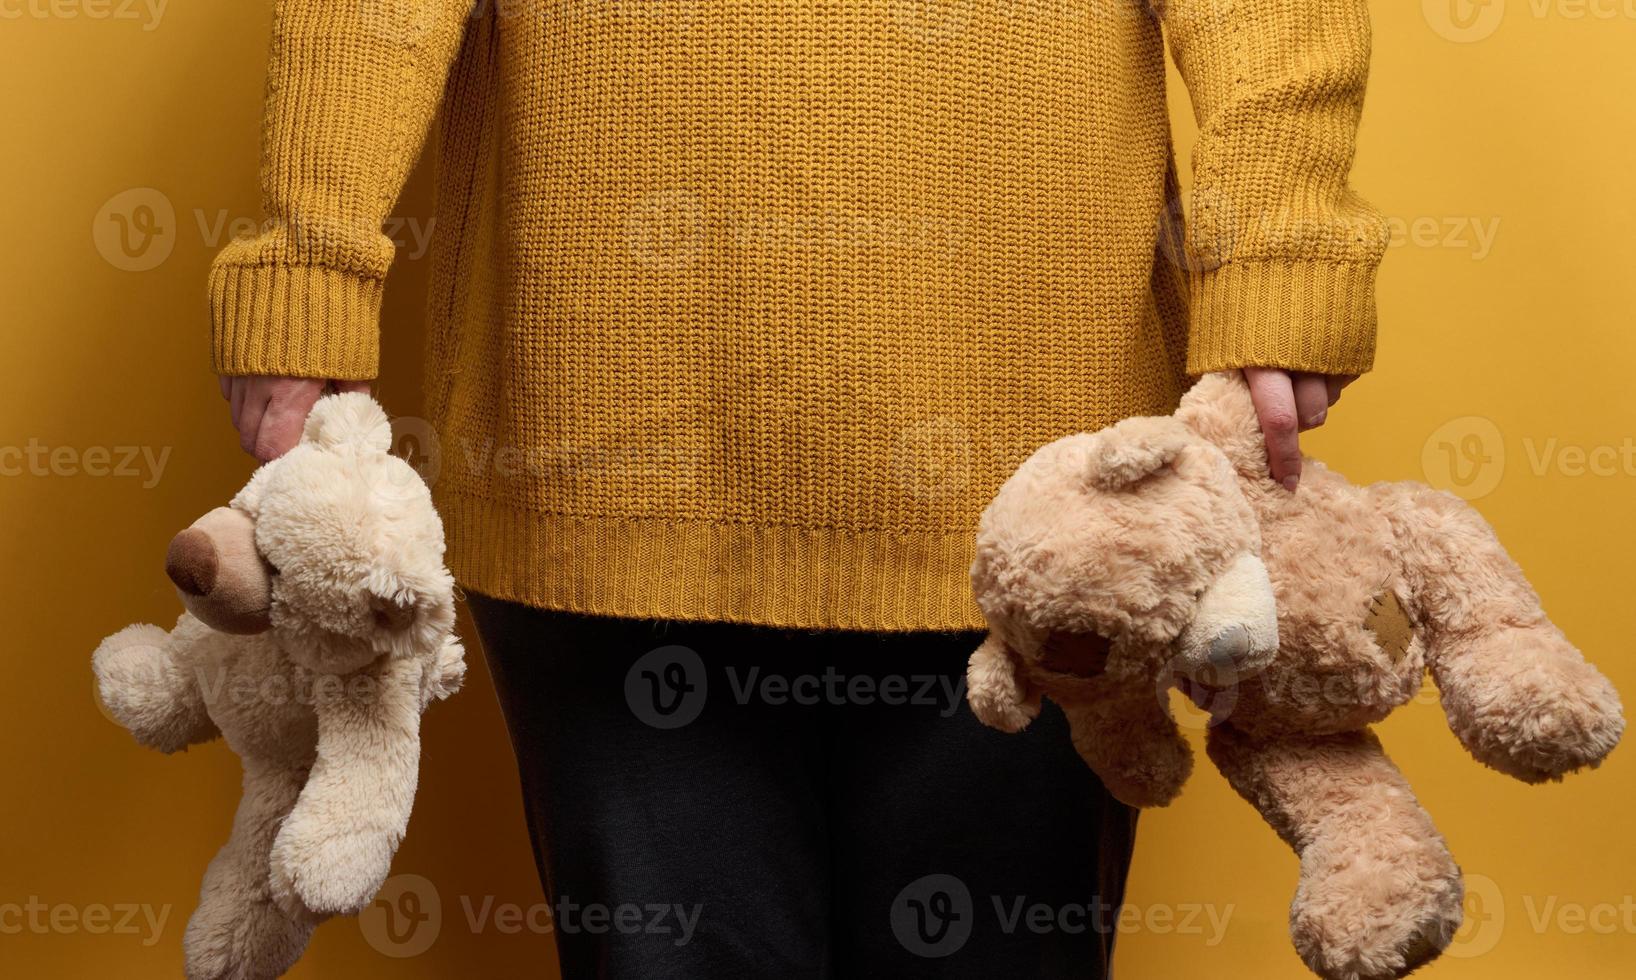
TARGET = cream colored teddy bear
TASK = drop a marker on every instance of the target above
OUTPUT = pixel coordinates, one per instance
(1159, 551)
(318, 628)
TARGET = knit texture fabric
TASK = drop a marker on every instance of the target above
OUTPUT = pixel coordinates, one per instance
(743, 309)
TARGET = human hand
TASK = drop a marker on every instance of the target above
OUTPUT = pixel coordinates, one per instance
(269, 411)
(1289, 403)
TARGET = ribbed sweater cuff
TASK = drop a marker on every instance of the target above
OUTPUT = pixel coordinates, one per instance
(301, 321)
(1301, 316)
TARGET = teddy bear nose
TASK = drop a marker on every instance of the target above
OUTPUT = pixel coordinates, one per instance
(191, 562)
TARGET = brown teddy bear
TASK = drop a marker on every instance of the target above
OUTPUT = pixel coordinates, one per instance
(318, 627)
(1159, 551)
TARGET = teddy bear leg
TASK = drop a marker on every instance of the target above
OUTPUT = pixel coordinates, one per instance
(149, 690)
(238, 931)
(1517, 694)
(1126, 735)
(1379, 893)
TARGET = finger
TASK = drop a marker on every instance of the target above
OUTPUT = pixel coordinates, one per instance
(1274, 397)
(286, 416)
(362, 386)
(226, 384)
(235, 400)
(251, 410)
(1311, 399)
(1337, 383)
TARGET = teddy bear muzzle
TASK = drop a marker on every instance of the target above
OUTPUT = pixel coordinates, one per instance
(220, 576)
(192, 562)
(1234, 632)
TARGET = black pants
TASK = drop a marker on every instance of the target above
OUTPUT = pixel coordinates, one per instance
(710, 800)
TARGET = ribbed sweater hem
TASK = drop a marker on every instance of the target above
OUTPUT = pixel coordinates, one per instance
(794, 577)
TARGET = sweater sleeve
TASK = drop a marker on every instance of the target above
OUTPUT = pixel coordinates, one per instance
(352, 88)
(1282, 253)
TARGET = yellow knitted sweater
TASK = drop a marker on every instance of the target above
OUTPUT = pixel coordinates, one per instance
(743, 309)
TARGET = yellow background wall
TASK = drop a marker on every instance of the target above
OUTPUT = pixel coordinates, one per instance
(1498, 134)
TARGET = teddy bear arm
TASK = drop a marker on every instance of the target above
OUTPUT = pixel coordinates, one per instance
(445, 672)
(335, 850)
(1124, 732)
(1519, 696)
(1379, 893)
(144, 681)
(997, 696)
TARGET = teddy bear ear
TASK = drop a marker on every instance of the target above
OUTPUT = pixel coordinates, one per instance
(350, 420)
(1133, 449)
(248, 499)
(1219, 408)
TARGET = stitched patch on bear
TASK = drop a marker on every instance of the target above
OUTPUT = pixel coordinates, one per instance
(1390, 624)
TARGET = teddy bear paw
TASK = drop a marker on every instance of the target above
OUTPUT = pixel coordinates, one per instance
(1143, 772)
(328, 873)
(1360, 922)
(1555, 717)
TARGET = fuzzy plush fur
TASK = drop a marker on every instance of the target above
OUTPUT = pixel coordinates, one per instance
(319, 626)
(1142, 543)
